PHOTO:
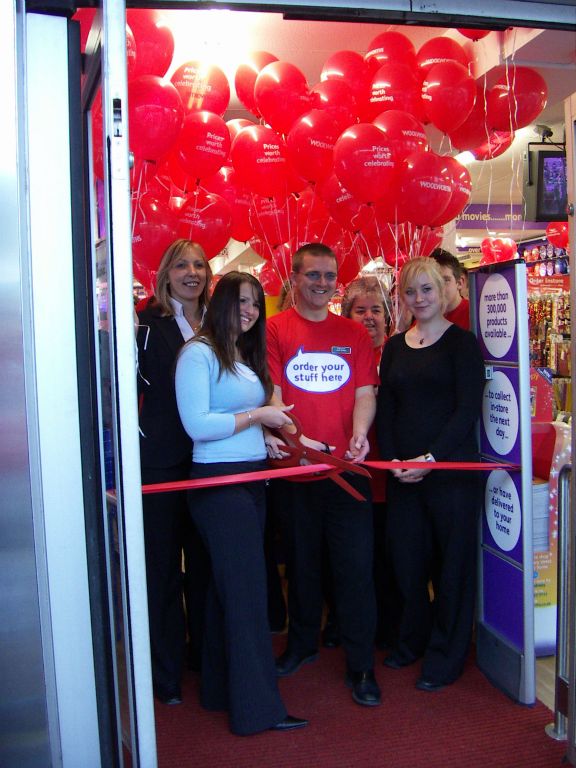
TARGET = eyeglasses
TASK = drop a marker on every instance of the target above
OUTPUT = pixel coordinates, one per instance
(314, 276)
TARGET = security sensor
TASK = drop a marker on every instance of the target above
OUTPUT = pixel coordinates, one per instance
(544, 131)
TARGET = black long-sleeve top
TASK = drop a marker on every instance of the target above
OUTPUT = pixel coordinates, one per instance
(430, 398)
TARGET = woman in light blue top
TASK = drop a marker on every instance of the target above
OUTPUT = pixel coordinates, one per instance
(222, 387)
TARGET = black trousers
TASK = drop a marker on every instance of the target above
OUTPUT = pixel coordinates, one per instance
(238, 672)
(164, 534)
(321, 512)
(432, 526)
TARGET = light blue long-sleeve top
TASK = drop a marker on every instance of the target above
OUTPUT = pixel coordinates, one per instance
(207, 405)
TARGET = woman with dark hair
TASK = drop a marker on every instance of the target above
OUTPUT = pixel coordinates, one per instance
(170, 318)
(222, 387)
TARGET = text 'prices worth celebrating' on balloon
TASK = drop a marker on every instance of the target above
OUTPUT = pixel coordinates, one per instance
(500, 414)
(497, 316)
(503, 510)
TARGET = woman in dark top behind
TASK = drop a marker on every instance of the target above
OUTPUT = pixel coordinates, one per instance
(429, 400)
(169, 319)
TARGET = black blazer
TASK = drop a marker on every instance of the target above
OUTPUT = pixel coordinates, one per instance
(163, 440)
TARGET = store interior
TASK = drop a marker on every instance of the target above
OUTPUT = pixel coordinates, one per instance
(497, 188)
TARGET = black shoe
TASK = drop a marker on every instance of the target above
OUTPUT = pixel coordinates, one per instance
(331, 636)
(396, 662)
(291, 662)
(168, 696)
(365, 689)
(289, 724)
(429, 685)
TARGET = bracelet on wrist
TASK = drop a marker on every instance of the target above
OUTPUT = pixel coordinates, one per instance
(249, 419)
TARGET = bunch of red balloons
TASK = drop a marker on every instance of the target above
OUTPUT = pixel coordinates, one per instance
(346, 161)
(498, 249)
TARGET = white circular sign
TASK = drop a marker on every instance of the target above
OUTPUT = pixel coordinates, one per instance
(503, 511)
(497, 315)
(500, 414)
(317, 371)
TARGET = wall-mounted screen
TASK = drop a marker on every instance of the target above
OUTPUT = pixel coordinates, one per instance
(551, 189)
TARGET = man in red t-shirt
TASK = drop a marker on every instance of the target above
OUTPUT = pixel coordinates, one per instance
(324, 365)
(457, 308)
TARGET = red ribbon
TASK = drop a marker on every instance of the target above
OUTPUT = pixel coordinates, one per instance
(270, 474)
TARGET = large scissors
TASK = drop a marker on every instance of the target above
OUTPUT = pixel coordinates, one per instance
(299, 453)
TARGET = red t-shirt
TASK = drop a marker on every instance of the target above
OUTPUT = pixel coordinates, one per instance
(319, 366)
(460, 315)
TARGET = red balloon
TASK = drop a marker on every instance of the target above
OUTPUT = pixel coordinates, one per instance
(396, 258)
(337, 98)
(155, 116)
(202, 87)
(391, 48)
(557, 233)
(130, 53)
(206, 218)
(203, 145)
(516, 99)
(474, 34)
(349, 265)
(438, 50)
(461, 192)
(236, 125)
(474, 130)
(312, 222)
(349, 67)
(272, 220)
(311, 144)
(426, 188)
(97, 136)
(504, 249)
(496, 144)
(270, 280)
(282, 260)
(294, 182)
(225, 183)
(488, 256)
(343, 206)
(419, 241)
(154, 42)
(378, 235)
(170, 166)
(154, 227)
(265, 250)
(404, 132)
(245, 78)
(259, 157)
(449, 94)
(364, 162)
(281, 94)
(393, 86)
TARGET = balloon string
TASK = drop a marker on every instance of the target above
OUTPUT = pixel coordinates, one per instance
(137, 207)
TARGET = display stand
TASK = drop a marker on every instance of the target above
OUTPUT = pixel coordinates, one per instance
(505, 621)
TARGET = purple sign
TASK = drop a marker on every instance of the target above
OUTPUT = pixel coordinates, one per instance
(500, 424)
(502, 520)
(495, 217)
(496, 313)
(503, 598)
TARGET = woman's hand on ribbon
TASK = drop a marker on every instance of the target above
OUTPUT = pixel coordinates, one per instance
(412, 475)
